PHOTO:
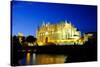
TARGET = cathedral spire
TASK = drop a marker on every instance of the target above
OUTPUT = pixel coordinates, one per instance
(43, 23)
(66, 21)
(48, 23)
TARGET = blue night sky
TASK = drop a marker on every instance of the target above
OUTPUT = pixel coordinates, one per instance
(27, 16)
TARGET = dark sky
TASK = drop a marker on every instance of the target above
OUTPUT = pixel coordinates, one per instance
(26, 16)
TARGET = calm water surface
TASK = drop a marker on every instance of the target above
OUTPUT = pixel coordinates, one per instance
(33, 59)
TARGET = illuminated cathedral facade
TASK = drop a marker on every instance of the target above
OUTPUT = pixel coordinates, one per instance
(61, 33)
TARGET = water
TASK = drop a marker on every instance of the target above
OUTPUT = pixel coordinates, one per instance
(65, 54)
(36, 59)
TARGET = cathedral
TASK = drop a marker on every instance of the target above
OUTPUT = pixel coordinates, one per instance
(59, 33)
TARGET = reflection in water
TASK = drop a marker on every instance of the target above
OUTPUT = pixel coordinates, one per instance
(50, 59)
(28, 58)
(34, 58)
(42, 59)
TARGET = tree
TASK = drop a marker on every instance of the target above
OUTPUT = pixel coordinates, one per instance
(31, 39)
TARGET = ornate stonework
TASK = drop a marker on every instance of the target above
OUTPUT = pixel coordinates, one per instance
(63, 32)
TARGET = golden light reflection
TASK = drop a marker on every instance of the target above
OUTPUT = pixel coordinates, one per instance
(50, 59)
(28, 58)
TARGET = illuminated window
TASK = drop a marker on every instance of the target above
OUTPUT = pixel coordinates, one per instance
(46, 33)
